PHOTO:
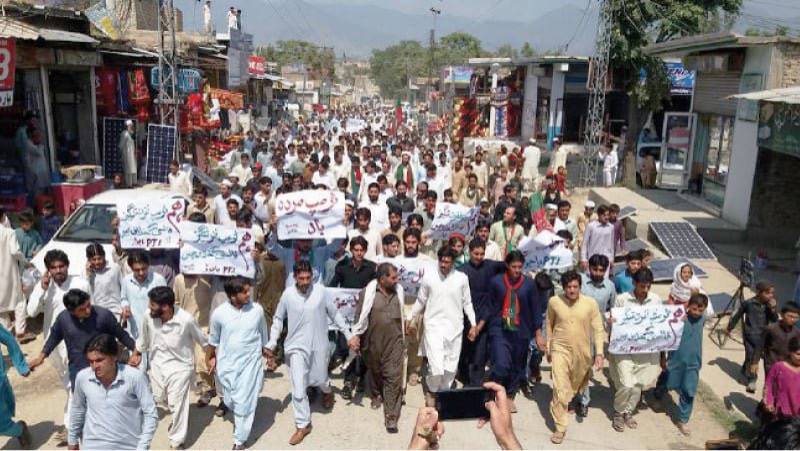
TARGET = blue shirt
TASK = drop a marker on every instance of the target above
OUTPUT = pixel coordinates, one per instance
(623, 282)
(479, 278)
(604, 292)
(530, 306)
(120, 416)
(50, 225)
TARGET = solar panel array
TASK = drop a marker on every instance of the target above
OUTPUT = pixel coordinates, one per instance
(680, 239)
(160, 151)
(112, 129)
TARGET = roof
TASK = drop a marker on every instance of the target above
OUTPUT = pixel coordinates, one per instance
(12, 28)
(714, 41)
(782, 95)
(115, 196)
(552, 59)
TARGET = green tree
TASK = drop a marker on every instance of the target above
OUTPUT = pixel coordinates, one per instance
(393, 68)
(320, 60)
(456, 48)
(634, 26)
(527, 50)
(506, 51)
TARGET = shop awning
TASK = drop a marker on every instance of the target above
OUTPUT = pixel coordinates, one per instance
(782, 95)
(12, 28)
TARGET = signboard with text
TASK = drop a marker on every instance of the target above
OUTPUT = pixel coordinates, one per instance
(8, 62)
(310, 214)
(145, 224)
(345, 300)
(545, 251)
(453, 218)
(216, 250)
(257, 65)
(646, 329)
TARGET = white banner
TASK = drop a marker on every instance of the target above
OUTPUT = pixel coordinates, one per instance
(411, 271)
(545, 251)
(310, 214)
(148, 224)
(345, 300)
(453, 218)
(355, 125)
(646, 329)
(216, 250)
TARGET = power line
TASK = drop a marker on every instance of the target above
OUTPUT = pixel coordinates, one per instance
(578, 27)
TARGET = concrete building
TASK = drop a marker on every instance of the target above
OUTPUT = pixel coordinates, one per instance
(744, 183)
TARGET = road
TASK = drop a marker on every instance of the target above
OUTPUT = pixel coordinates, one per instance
(354, 425)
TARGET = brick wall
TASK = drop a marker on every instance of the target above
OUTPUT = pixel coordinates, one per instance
(773, 206)
(790, 54)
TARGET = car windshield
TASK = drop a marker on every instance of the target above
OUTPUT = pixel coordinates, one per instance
(92, 222)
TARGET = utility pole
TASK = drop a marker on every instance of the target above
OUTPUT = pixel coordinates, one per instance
(168, 97)
(598, 84)
(432, 46)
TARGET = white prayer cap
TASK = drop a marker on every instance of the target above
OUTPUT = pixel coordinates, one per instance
(589, 204)
(128, 122)
(227, 183)
(532, 140)
(349, 202)
(552, 207)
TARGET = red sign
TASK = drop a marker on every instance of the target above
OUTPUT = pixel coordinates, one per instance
(257, 65)
(8, 60)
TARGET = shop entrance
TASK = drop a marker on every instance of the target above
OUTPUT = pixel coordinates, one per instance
(73, 129)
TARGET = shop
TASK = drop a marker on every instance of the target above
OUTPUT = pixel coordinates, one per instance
(52, 78)
(730, 162)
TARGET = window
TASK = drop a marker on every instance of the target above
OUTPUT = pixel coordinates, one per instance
(719, 149)
(90, 223)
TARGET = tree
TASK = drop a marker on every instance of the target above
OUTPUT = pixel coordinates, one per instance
(394, 67)
(320, 60)
(527, 50)
(634, 26)
(506, 51)
(456, 48)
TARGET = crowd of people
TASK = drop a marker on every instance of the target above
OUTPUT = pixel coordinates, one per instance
(129, 331)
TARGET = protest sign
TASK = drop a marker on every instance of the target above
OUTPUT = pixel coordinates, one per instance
(410, 271)
(545, 251)
(345, 300)
(310, 214)
(453, 218)
(355, 125)
(148, 224)
(644, 329)
(216, 250)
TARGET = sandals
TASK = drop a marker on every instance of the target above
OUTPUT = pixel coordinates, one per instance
(557, 438)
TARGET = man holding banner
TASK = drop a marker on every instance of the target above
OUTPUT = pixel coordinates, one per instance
(378, 333)
(631, 373)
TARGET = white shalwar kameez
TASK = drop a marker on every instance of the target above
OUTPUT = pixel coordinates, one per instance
(445, 300)
(239, 336)
(306, 343)
(51, 302)
(170, 346)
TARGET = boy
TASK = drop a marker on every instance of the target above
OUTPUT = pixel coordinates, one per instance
(682, 368)
(619, 230)
(50, 221)
(30, 241)
(623, 281)
(777, 336)
(758, 313)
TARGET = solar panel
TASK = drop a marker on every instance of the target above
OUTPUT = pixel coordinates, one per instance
(160, 151)
(680, 239)
(663, 269)
(636, 244)
(627, 211)
(112, 158)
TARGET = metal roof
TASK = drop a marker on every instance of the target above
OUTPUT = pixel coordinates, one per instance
(12, 28)
(713, 41)
(782, 95)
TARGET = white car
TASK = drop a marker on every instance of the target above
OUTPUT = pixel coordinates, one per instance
(92, 222)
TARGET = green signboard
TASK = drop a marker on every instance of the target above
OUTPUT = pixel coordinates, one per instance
(779, 127)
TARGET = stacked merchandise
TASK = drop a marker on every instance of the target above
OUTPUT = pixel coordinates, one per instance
(124, 93)
(466, 118)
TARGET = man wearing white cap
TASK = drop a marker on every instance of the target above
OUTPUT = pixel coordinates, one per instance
(530, 167)
(127, 149)
(225, 193)
(559, 157)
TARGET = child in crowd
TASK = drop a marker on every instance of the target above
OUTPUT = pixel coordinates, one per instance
(782, 387)
(682, 367)
(30, 241)
(623, 281)
(758, 313)
(50, 222)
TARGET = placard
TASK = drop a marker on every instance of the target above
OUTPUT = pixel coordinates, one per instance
(310, 214)
(410, 271)
(355, 125)
(149, 224)
(216, 250)
(453, 218)
(545, 251)
(646, 329)
(346, 301)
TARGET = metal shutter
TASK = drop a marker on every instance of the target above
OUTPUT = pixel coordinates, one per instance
(711, 91)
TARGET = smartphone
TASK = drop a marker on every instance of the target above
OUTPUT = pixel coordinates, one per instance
(464, 403)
